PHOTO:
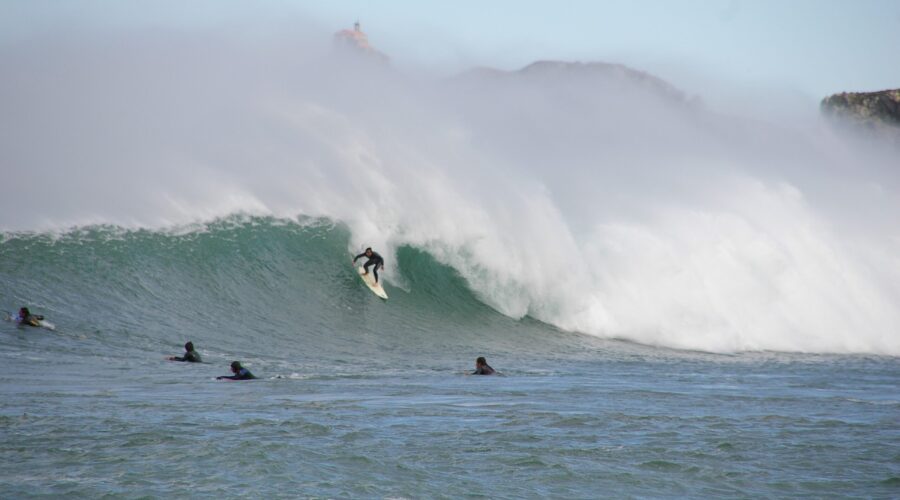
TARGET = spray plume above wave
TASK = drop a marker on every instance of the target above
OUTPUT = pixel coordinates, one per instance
(586, 196)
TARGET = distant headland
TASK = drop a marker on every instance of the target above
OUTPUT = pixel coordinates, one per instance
(877, 111)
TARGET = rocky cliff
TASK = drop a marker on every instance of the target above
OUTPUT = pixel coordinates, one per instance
(873, 110)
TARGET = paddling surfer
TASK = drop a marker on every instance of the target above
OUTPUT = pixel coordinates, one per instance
(240, 373)
(24, 317)
(482, 368)
(190, 355)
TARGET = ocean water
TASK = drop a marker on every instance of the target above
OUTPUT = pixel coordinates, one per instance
(362, 398)
(683, 301)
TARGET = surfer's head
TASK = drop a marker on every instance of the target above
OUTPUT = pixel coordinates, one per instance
(23, 312)
(368, 252)
(235, 366)
(189, 346)
(480, 361)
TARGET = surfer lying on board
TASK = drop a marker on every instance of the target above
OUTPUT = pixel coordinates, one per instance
(189, 354)
(482, 368)
(240, 373)
(26, 318)
(374, 258)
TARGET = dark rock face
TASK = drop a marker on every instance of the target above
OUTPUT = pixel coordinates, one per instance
(874, 110)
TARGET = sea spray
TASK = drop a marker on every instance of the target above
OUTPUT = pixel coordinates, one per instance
(587, 200)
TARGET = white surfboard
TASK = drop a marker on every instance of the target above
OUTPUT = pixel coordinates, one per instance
(46, 324)
(369, 280)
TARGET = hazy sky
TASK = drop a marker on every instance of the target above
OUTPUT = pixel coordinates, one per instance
(814, 47)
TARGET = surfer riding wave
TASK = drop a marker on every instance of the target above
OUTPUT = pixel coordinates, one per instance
(374, 259)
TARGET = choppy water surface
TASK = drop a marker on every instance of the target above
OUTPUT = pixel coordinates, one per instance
(360, 398)
(169, 182)
(600, 423)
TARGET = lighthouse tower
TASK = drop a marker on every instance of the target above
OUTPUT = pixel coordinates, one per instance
(357, 41)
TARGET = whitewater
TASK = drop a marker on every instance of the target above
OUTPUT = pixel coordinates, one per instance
(682, 300)
(592, 203)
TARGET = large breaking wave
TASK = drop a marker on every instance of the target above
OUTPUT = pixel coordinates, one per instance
(588, 202)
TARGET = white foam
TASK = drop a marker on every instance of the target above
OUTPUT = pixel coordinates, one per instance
(597, 208)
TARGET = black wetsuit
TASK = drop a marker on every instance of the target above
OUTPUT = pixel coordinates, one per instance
(191, 356)
(242, 374)
(30, 320)
(483, 370)
(374, 259)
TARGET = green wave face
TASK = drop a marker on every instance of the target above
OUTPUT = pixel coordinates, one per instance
(257, 288)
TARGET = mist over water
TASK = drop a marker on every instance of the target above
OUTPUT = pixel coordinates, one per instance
(591, 203)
